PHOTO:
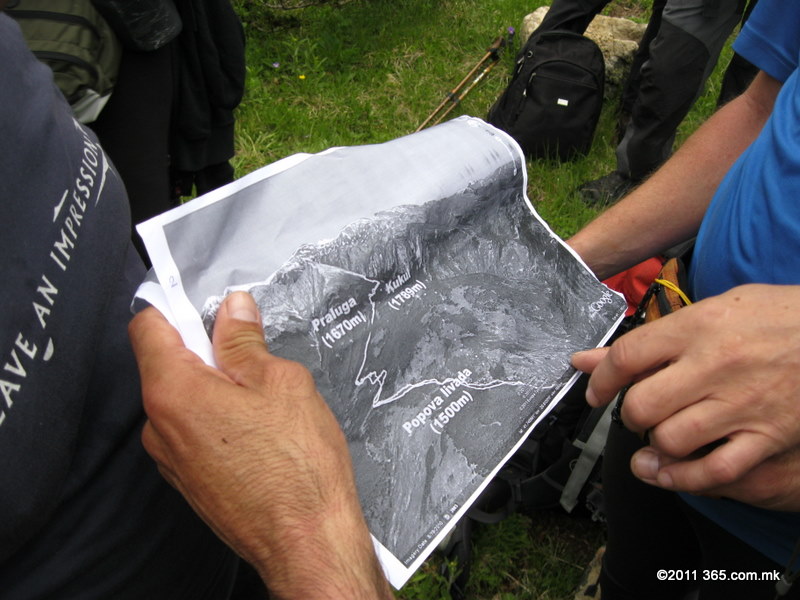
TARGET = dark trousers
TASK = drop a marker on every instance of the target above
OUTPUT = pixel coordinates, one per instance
(678, 52)
(651, 529)
(134, 130)
(680, 49)
(572, 15)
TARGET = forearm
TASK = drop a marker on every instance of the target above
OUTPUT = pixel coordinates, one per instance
(331, 559)
(668, 208)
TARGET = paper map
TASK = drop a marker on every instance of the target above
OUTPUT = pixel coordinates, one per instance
(435, 309)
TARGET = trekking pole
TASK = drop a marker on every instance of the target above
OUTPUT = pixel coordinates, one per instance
(455, 95)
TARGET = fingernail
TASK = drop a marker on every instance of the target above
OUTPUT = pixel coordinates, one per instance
(665, 480)
(591, 397)
(242, 307)
(645, 465)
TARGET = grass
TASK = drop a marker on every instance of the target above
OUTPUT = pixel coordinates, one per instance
(367, 71)
(525, 557)
(372, 70)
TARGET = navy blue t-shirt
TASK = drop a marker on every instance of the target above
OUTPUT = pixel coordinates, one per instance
(84, 512)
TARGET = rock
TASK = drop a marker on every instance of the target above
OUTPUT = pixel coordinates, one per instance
(617, 38)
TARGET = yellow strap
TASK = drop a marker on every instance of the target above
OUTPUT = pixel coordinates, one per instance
(668, 284)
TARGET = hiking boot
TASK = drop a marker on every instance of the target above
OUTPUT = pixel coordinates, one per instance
(606, 190)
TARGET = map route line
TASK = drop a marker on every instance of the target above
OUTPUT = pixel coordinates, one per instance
(378, 378)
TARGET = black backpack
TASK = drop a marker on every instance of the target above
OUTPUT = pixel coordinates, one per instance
(557, 467)
(553, 101)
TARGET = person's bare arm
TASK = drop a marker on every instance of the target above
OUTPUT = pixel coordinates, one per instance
(668, 207)
(258, 454)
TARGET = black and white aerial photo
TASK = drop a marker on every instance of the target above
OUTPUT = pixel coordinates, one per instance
(438, 331)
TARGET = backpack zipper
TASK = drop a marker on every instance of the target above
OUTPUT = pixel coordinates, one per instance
(577, 66)
(60, 56)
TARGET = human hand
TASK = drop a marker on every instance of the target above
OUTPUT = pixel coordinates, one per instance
(258, 454)
(723, 369)
(773, 484)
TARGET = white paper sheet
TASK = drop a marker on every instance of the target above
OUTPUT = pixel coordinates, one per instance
(434, 307)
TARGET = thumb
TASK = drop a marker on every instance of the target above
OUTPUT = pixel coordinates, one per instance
(238, 338)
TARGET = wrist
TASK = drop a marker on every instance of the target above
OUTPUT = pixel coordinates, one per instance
(329, 555)
(591, 254)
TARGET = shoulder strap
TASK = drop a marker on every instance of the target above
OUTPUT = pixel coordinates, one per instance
(591, 451)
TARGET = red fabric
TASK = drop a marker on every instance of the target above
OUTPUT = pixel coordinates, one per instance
(634, 282)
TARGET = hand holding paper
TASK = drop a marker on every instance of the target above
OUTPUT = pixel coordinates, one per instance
(262, 460)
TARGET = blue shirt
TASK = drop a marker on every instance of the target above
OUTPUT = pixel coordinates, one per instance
(751, 232)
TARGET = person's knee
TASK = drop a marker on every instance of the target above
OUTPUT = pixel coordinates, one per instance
(677, 61)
